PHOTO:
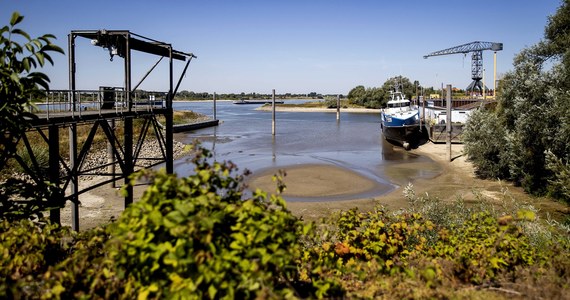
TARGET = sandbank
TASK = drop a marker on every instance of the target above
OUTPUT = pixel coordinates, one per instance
(454, 179)
(318, 109)
(317, 182)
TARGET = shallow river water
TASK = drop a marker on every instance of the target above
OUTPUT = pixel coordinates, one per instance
(355, 143)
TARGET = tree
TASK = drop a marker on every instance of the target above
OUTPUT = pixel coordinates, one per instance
(376, 97)
(18, 81)
(357, 95)
(534, 111)
(403, 84)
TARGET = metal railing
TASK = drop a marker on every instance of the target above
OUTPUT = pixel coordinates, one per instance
(81, 102)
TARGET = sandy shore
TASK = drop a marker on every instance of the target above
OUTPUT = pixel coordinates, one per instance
(317, 182)
(455, 179)
(318, 109)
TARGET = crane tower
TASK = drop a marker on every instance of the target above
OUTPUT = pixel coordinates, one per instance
(476, 60)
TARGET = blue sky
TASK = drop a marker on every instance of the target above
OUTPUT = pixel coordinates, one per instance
(291, 46)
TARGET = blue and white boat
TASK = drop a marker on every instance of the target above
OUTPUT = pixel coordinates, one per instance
(400, 121)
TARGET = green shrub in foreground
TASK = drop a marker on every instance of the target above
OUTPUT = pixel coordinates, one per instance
(190, 238)
(196, 237)
(26, 250)
(394, 255)
(184, 239)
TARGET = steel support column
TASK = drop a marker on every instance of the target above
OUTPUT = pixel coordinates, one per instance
(74, 183)
(128, 124)
(169, 143)
(53, 136)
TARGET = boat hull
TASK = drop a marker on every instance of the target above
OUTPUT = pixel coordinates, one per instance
(405, 132)
(408, 134)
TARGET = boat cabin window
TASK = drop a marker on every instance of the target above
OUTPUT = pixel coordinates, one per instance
(398, 104)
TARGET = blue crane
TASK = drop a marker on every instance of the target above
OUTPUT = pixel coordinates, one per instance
(476, 60)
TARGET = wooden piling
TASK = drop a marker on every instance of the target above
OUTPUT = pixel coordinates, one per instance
(215, 106)
(338, 107)
(273, 113)
(448, 121)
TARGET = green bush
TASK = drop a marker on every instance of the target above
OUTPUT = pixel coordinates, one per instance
(559, 185)
(196, 237)
(531, 119)
(199, 237)
(193, 238)
(486, 145)
(27, 250)
(41, 157)
(484, 246)
(21, 57)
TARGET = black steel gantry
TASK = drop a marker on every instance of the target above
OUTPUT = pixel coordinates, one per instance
(476, 59)
(98, 114)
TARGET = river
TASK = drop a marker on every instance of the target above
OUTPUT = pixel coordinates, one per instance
(244, 137)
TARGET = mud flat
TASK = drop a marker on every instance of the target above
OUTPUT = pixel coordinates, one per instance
(315, 183)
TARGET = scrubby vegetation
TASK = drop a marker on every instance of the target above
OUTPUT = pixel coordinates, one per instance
(20, 58)
(526, 138)
(200, 237)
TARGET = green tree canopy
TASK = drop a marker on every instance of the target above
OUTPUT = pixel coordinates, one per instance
(376, 97)
(534, 110)
(20, 56)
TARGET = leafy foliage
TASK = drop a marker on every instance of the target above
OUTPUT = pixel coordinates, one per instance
(532, 117)
(191, 238)
(18, 78)
(487, 145)
(27, 250)
(18, 81)
(484, 246)
(198, 237)
(434, 247)
(195, 237)
(559, 184)
(376, 97)
(368, 97)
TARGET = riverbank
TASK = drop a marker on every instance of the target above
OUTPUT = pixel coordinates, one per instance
(317, 109)
(455, 179)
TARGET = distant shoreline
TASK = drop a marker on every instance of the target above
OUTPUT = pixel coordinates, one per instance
(319, 109)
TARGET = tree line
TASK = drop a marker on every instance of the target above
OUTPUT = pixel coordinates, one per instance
(190, 95)
(376, 97)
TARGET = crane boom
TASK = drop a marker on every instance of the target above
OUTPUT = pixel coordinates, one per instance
(469, 47)
(476, 59)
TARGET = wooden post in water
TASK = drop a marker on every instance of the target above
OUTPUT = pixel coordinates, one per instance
(448, 121)
(338, 107)
(418, 106)
(214, 105)
(273, 113)
(442, 94)
(424, 111)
